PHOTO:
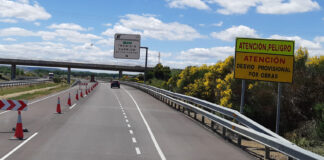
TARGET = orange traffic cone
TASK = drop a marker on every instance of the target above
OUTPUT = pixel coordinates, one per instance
(19, 134)
(58, 108)
(81, 94)
(69, 100)
(77, 95)
(86, 91)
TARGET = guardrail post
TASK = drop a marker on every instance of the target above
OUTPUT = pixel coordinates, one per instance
(267, 153)
(202, 119)
(212, 124)
(224, 132)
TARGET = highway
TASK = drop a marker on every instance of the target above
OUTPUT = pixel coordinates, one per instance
(119, 124)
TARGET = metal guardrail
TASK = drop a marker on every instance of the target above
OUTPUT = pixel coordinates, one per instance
(246, 127)
(23, 82)
(76, 83)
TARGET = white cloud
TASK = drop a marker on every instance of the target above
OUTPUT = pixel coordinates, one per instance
(68, 26)
(22, 10)
(234, 6)
(57, 52)
(149, 26)
(107, 24)
(75, 36)
(8, 20)
(283, 7)
(202, 25)
(37, 24)
(299, 42)
(67, 35)
(106, 42)
(219, 24)
(9, 39)
(198, 4)
(314, 47)
(235, 31)
(242, 6)
(15, 31)
(204, 54)
(319, 39)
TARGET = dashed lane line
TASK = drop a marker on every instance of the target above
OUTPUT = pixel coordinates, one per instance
(138, 151)
(134, 140)
(73, 106)
(161, 154)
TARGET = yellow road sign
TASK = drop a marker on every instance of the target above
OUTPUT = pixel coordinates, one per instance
(266, 60)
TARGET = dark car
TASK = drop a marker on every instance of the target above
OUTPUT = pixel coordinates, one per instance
(115, 84)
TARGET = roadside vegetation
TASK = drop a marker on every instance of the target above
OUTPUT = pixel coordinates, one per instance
(37, 94)
(17, 89)
(302, 111)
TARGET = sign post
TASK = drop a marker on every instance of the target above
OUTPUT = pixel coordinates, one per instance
(264, 60)
(146, 48)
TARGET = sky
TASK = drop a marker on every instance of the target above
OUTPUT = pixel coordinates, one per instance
(184, 32)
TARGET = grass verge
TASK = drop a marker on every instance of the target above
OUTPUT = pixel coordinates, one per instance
(10, 90)
(38, 94)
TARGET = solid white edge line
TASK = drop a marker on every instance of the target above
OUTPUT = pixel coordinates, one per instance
(3, 112)
(148, 127)
(73, 105)
(19, 146)
(134, 139)
(138, 151)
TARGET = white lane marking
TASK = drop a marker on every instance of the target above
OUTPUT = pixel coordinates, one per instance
(118, 100)
(125, 117)
(128, 125)
(124, 113)
(134, 139)
(138, 151)
(3, 112)
(73, 106)
(19, 146)
(148, 127)
(126, 120)
(131, 132)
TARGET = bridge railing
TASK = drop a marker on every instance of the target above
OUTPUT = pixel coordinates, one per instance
(245, 126)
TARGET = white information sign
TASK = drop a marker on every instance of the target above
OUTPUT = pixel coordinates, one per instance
(127, 46)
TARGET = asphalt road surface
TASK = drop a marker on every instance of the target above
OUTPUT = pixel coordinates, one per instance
(114, 124)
